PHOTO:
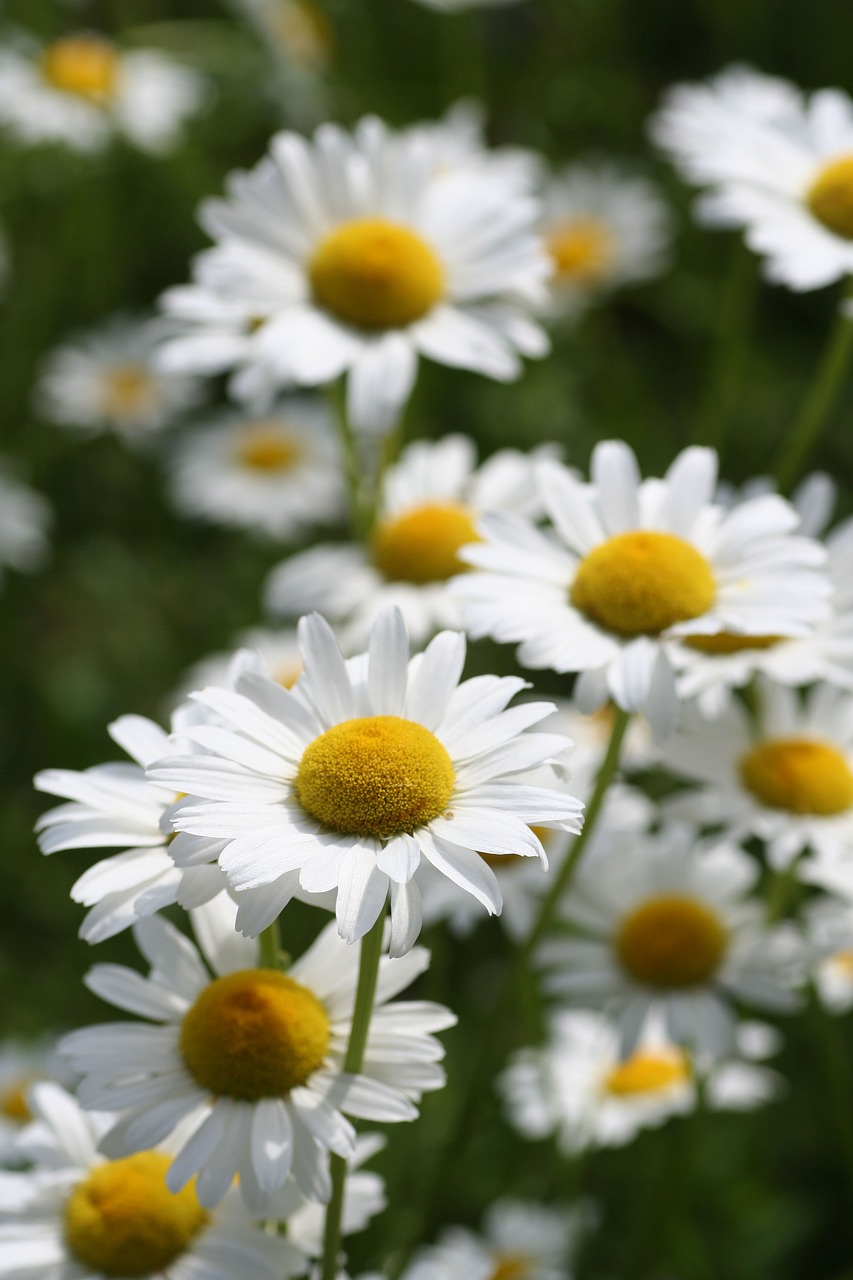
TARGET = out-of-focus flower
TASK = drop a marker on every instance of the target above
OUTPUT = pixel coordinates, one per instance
(830, 930)
(22, 1064)
(519, 1239)
(25, 520)
(455, 6)
(298, 29)
(278, 652)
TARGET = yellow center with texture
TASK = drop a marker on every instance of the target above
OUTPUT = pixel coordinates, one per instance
(799, 775)
(122, 1220)
(830, 197)
(581, 250)
(647, 1072)
(83, 65)
(268, 450)
(643, 582)
(671, 941)
(254, 1034)
(423, 545)
(375, 274)
(377, 776)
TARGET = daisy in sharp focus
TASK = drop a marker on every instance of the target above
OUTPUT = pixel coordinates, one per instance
(356, 254)
(519, 1241)
(430, 502)
(365, 768)
(82, 89)
(247, 1064)
(631, 565)
(25, 520)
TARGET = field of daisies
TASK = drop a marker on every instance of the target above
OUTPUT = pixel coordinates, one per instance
(426, 537)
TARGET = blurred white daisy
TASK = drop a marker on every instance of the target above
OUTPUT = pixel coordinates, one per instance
(25, 520)
(632, 564)
(107, 380)
(428, 507)
(22, 1064)
(830, 929)
(356, 253)
(82, 89)
(269, 1101)
(364, 1198)
(519, 1241)
(776, 162)
(364, 769)
(277, 651)
(78, 1215)
(664, 928)
(297, 29)
(458, 139)
(277, 474)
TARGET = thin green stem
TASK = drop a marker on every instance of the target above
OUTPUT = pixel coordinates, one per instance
(270, 947)
(360, 514)
(730, 348)
(368, 974)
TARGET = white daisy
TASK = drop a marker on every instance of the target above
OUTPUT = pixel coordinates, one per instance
(79, 1216)
(277, 474)
(830, 930)
(297, 29)
(458, 139)
(356, 253)
(82, 89)
(349, 780)
(107, 380)
(777, 163)
(249, 1062)
(25, 520)
(632, 564)
(664, 928)
(277, 652)
(430, 502)
(22, 1064)
(520, 1241)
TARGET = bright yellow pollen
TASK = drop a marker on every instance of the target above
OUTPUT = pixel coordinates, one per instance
(122, 1220)
(647, 1073)
(254, 1034)
(671, 941)
(376, 776)
(581, 250)
(375, 274)
(13, 1101)
(84, 65)
(422, 545)
(268, 449)
(725, 642)
(511, 1266)
(830, 197)
(798, 775)
(128, 388)
(643, 582)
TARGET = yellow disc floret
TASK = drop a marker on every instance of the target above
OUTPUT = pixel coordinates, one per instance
(122, 1220)
(581, 251)
(830, 197)
(647, 1072)
(13, 1101)
(671, 941)
(798, 775)
(726, 642)
(375, 274)
(642, 582)
(376, 776)
(128, 390)
(254, 1034)
(268, 449)
(83, 65)
(511, 1266)
(422, 545)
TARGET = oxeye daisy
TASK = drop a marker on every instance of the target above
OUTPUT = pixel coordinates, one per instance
(830, 930)
(430, 502)
(247, 1064)
(631, 565)
(297, 29)
(25, 520)
(76, 1214)
(22, 1064)
(664, 928)
(348, 781)
(519, 1241)
(355, 253)
(275, 652)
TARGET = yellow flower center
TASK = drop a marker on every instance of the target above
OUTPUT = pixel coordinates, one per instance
(128, 388)
(843, 960)
(84, 65)
(725, 642)
(304, 31)
(830, 197)
(647, 1073)
(375, 274)
(13, 1101)
(376, 776)
(643, 582)
(254, 1034)
(581, 250)
(511, 1266)
(422, 545)
(671, 941)
(267, 448)
(122, 1220)
(798, 775)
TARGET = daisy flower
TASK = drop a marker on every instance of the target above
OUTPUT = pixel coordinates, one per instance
(297, 28)
(107, 380)
(21, 1065)
(277, 474)
(276, 652)
(82, 89)
(428, 507)
(776, 162)
(830, 929)
(458, 140)
(604, 228)
(348, 781)
(519, 1239)
(364, 1198)
(664, 929)
(631, 565)
(25, 520)
(77, 1214)
(356, 254)
(248, 1063)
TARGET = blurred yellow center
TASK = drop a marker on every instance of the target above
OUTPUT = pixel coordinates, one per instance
(640, 583)
(799, 775)
(122, 1220)
(671, 941)
(511, 1266)
(254, 1034)
(268, 449)
(376, 776)
(843, 960)
(375, 274)
(127, 389)
(83, 65)
(581, 250)
(647, 1073)
(288, 673)
(13, 1101)
(830, 197)
(423, 545)
(725, 642)
(304, 31)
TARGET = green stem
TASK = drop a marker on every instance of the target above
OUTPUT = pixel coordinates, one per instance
(837, 1071)
(359, 511)
(368, 974)
(731, 348)
(270, 947)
